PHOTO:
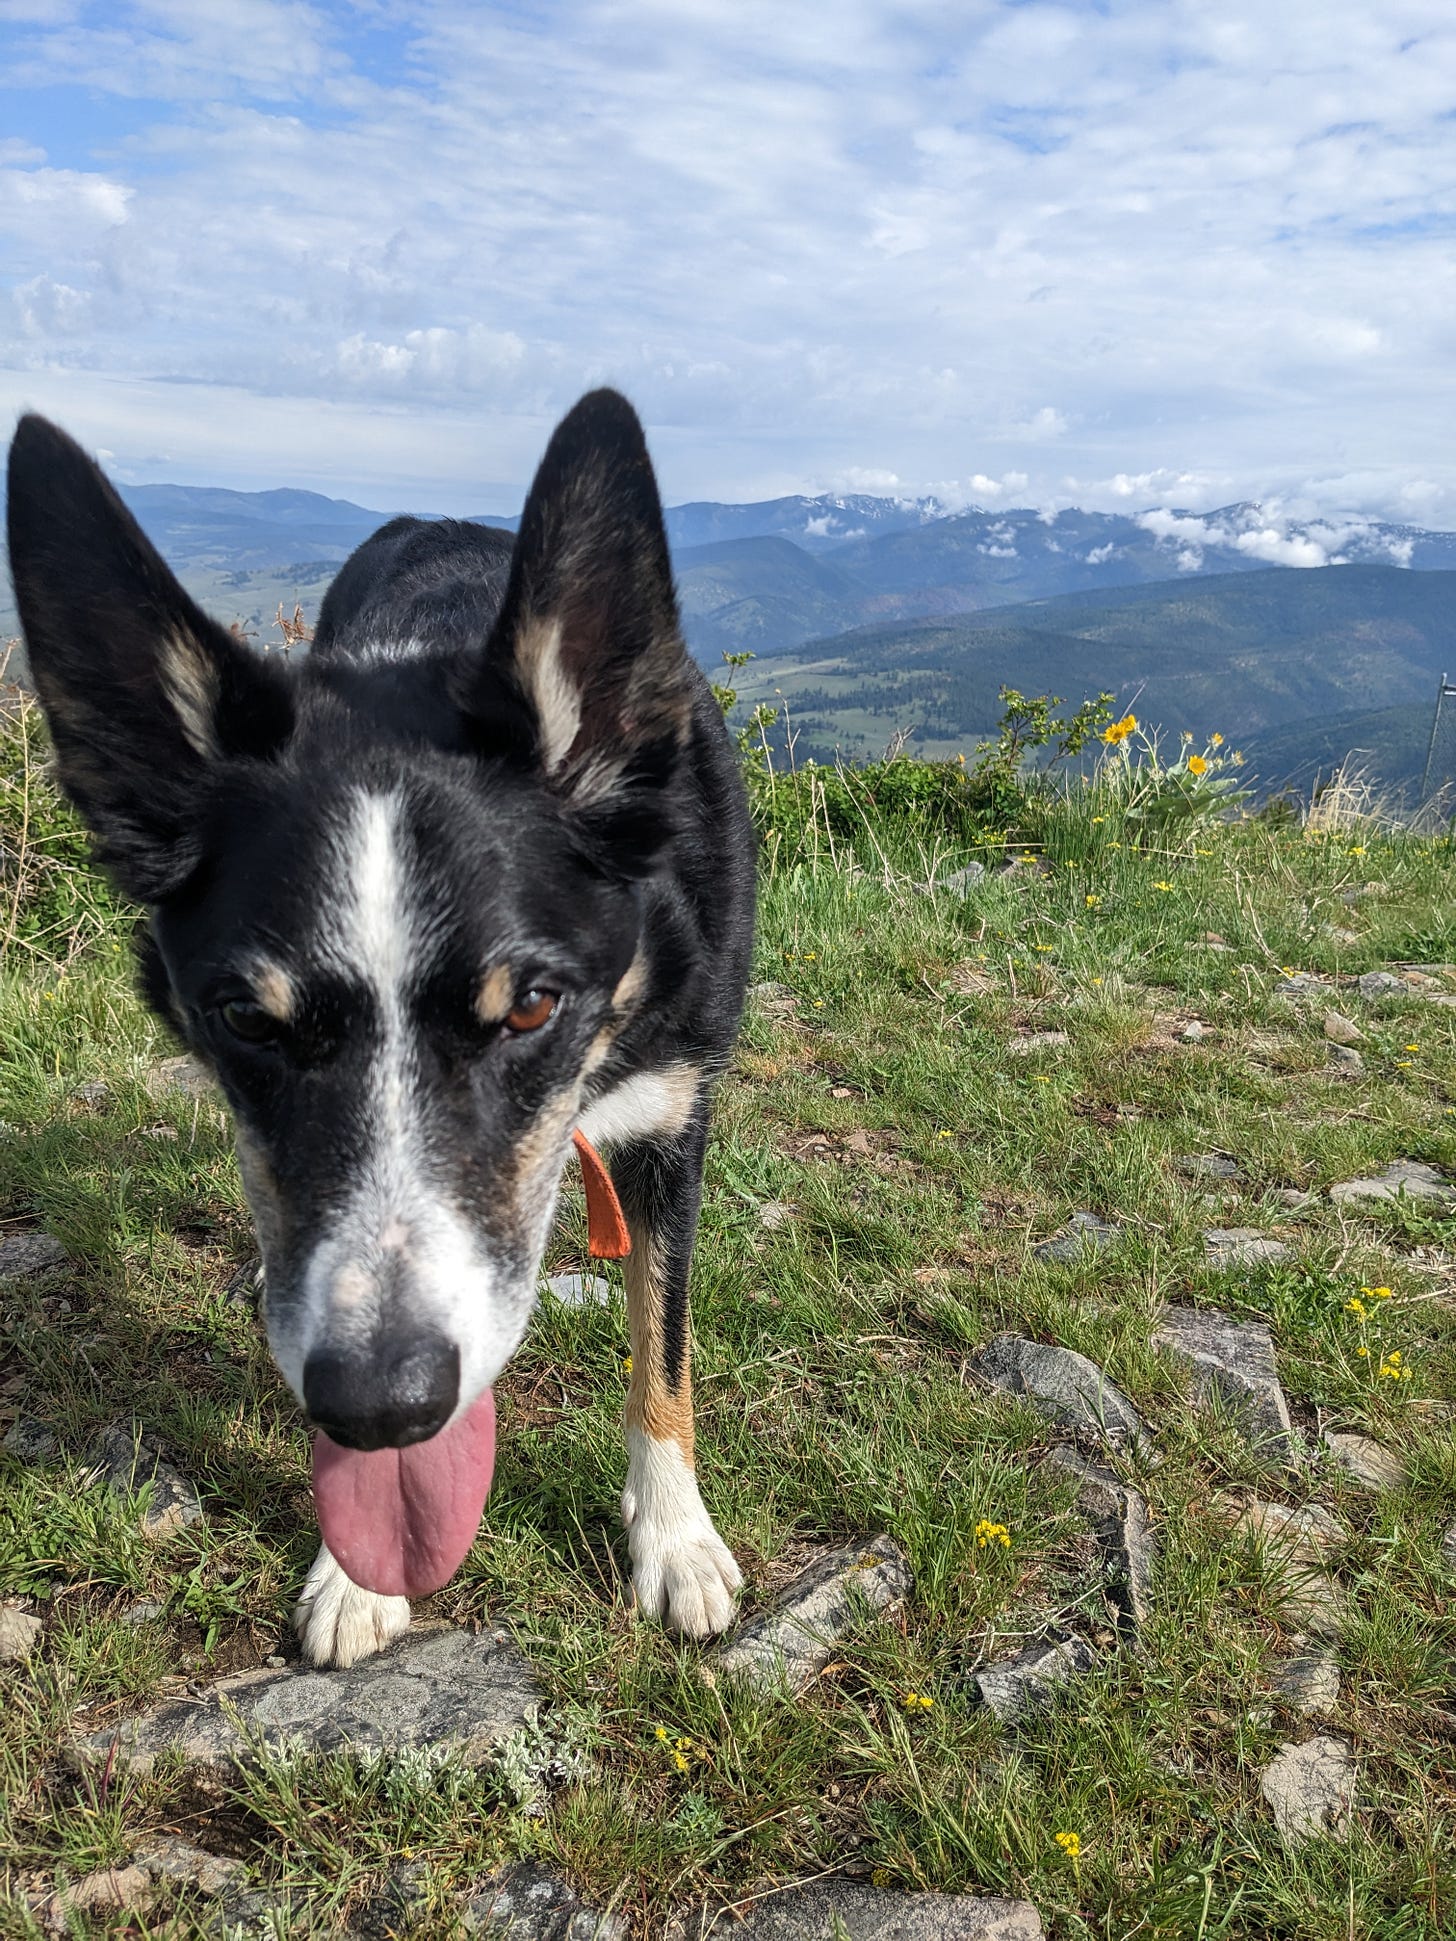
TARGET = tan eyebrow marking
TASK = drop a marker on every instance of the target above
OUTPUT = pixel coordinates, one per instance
(273, 989)
(496, 995)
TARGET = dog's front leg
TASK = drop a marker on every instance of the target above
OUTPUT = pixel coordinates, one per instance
(340, 1622)
(682, 1571)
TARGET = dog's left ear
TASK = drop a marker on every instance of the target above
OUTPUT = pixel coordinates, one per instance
(586, 667)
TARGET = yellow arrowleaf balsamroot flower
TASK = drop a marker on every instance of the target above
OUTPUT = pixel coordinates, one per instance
(1120, 730)
(1197, 765)
(1215, 741)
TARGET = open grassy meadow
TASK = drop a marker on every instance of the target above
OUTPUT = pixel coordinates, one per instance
(931, 1082)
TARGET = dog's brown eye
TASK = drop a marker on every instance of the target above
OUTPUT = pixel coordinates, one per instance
(249, 1021)
(533, 1011)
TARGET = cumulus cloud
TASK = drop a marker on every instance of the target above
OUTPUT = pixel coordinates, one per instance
(1214, 237)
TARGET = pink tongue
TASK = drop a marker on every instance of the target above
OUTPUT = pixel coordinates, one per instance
(400, 1521)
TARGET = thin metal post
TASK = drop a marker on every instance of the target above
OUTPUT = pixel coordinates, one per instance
(1441, 692)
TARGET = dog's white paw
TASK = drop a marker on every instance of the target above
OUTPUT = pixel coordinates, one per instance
(682, 1571)
(339, 1621)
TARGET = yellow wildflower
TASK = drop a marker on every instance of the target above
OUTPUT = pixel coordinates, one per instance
(988, 1533)
(1380, 1293)
(1162, 886)
(626, 1364)
(1197, 765)
(917, 1702)
(1091, 900)
(1071, 1845)
(1356, 1306)
(1215, 741)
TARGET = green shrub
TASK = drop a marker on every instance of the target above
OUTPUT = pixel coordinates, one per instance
(52, 898)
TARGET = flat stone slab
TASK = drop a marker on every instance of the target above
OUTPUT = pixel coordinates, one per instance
(22, 1254)
(1341, 1030)
(786, 1648)
(1232, 1363)
(1206, 1165)
(1032, 1041)
(529, 1903)
(1409, 1176)
(128, 1462)
(1301, 984)
(1311, 1789)
(438, 1687)
(1014, 1687)
(849, 1910)
(1309, 1684)
(1227, 1247)
(1118, 1514)
(1375, 984)
(1299, 1542)
(1344, 1061)
(1083, 1234)
(1366, 1462)
(1061, 1384)
(581, 1290)
(19, 1633)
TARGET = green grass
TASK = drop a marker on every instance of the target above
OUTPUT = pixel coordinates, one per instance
(922, 1160)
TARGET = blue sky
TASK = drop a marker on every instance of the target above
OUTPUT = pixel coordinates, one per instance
(1126, 254)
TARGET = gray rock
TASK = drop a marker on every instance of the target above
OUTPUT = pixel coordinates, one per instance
(146, 1610)
(1016, 1686)
(1409, 1176)
(1309, 1684)
(1232, 1364)
(129, 1463)
(31, 1442)
(1061, 1384)
(1227, 1247)
(93, 1094)
(1341, 1030)
(182, 1074)
(19, 1633)
(437, 1688)
(528, 1903)
(1362, 1458)
(1445, 999)
(581, 1290)
(1297, 1544)
(1448, 1546)
(1311, 1789)
(175, 1862)
(1206, 1165)
(1119, 1515)
(30, 1253)
(1293, 1197)
(847, 1910)
(1083, 1234)
(1377, 984)
(774, 1214)
(1300, 984)
(961, 881)
(1033, 1041)
(107, 1894)
(1344, 1061)
(1193, 1031)
(789, 1645)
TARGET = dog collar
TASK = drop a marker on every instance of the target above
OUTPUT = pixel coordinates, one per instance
(607, 1237)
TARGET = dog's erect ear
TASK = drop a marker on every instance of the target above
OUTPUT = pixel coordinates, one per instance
(586, 666)
(142, 692)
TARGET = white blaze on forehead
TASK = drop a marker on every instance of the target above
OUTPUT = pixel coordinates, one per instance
(399, 1228)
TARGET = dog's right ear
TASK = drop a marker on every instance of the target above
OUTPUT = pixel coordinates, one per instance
(142, 692)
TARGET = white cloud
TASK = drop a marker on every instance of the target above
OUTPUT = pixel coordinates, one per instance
(1217, 238)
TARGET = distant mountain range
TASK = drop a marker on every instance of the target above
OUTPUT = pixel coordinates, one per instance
(872, 613)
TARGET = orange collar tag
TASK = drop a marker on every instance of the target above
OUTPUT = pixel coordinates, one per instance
(607, 1237)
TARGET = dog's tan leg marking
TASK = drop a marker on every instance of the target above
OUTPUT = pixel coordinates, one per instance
(682, 1571)
(340, 1622)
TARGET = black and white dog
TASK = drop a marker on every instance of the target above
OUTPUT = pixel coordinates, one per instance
(475, 876)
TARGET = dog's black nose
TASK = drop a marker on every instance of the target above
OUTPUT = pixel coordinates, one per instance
(383, 1397)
